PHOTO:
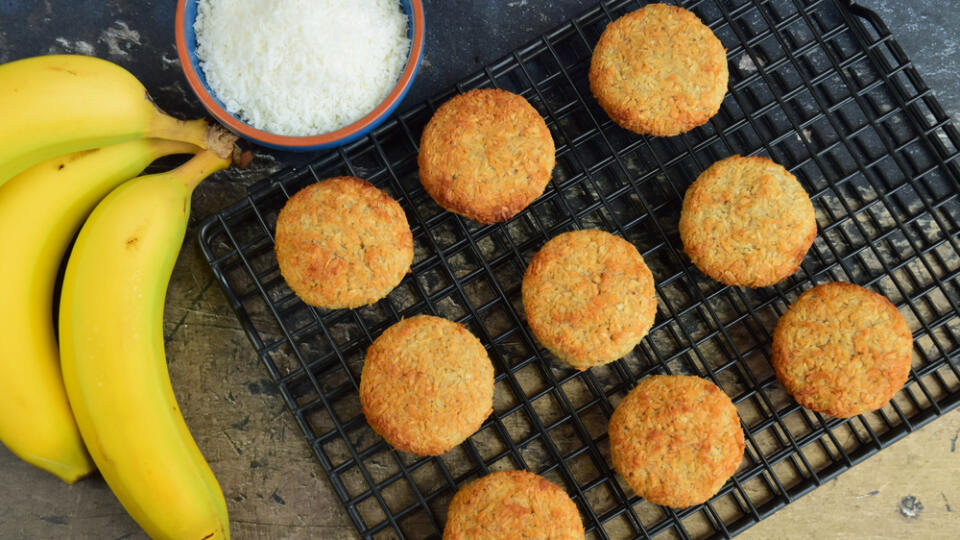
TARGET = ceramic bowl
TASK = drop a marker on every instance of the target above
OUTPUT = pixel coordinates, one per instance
(187, 51)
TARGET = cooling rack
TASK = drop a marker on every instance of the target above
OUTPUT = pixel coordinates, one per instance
(819, 86)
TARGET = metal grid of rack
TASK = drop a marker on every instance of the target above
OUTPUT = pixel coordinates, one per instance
(819, 86)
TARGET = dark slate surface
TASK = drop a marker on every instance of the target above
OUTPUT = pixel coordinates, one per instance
(929, 31)
(139, 36)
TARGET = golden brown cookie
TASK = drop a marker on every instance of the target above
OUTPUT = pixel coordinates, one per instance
(747, 221)
(426, 385)
(676, 439)
(842, 350)
(343, 243)
(507, 505)
(589, 297)
(659, 71)
(486, 154)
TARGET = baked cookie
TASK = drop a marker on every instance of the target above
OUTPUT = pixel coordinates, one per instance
(512, 504)
(747, 221)
(676, 439)
(342, 243)
(659, 71)
(426, 385)
(486, 154)
(589, 297)
(842, 350)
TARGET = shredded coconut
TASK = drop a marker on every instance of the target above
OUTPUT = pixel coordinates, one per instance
(301, 67)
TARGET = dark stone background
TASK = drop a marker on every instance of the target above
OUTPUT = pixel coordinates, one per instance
(460, 35)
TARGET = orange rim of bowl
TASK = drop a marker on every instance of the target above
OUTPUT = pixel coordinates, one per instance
(221, 114)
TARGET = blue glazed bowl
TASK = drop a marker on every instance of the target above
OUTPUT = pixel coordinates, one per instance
(187, 51)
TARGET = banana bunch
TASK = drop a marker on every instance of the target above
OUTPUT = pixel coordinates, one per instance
(76, 133)
(53, 105)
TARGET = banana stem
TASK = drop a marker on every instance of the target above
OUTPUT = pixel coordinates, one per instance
(164, 126)
(165, 147)
(200, 167)
(223, 143)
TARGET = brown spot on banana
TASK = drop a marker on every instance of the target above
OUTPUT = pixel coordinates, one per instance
(65, 70)
(70, 158)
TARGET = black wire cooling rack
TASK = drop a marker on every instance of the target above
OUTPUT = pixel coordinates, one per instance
(819, 86)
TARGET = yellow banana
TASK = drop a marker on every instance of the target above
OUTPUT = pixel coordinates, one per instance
(41, 210)
(53, 105)
(112, 355)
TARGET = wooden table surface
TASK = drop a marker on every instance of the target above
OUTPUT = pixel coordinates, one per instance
(275, 488)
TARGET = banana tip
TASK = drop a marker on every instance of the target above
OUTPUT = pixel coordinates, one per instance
(242, 159)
